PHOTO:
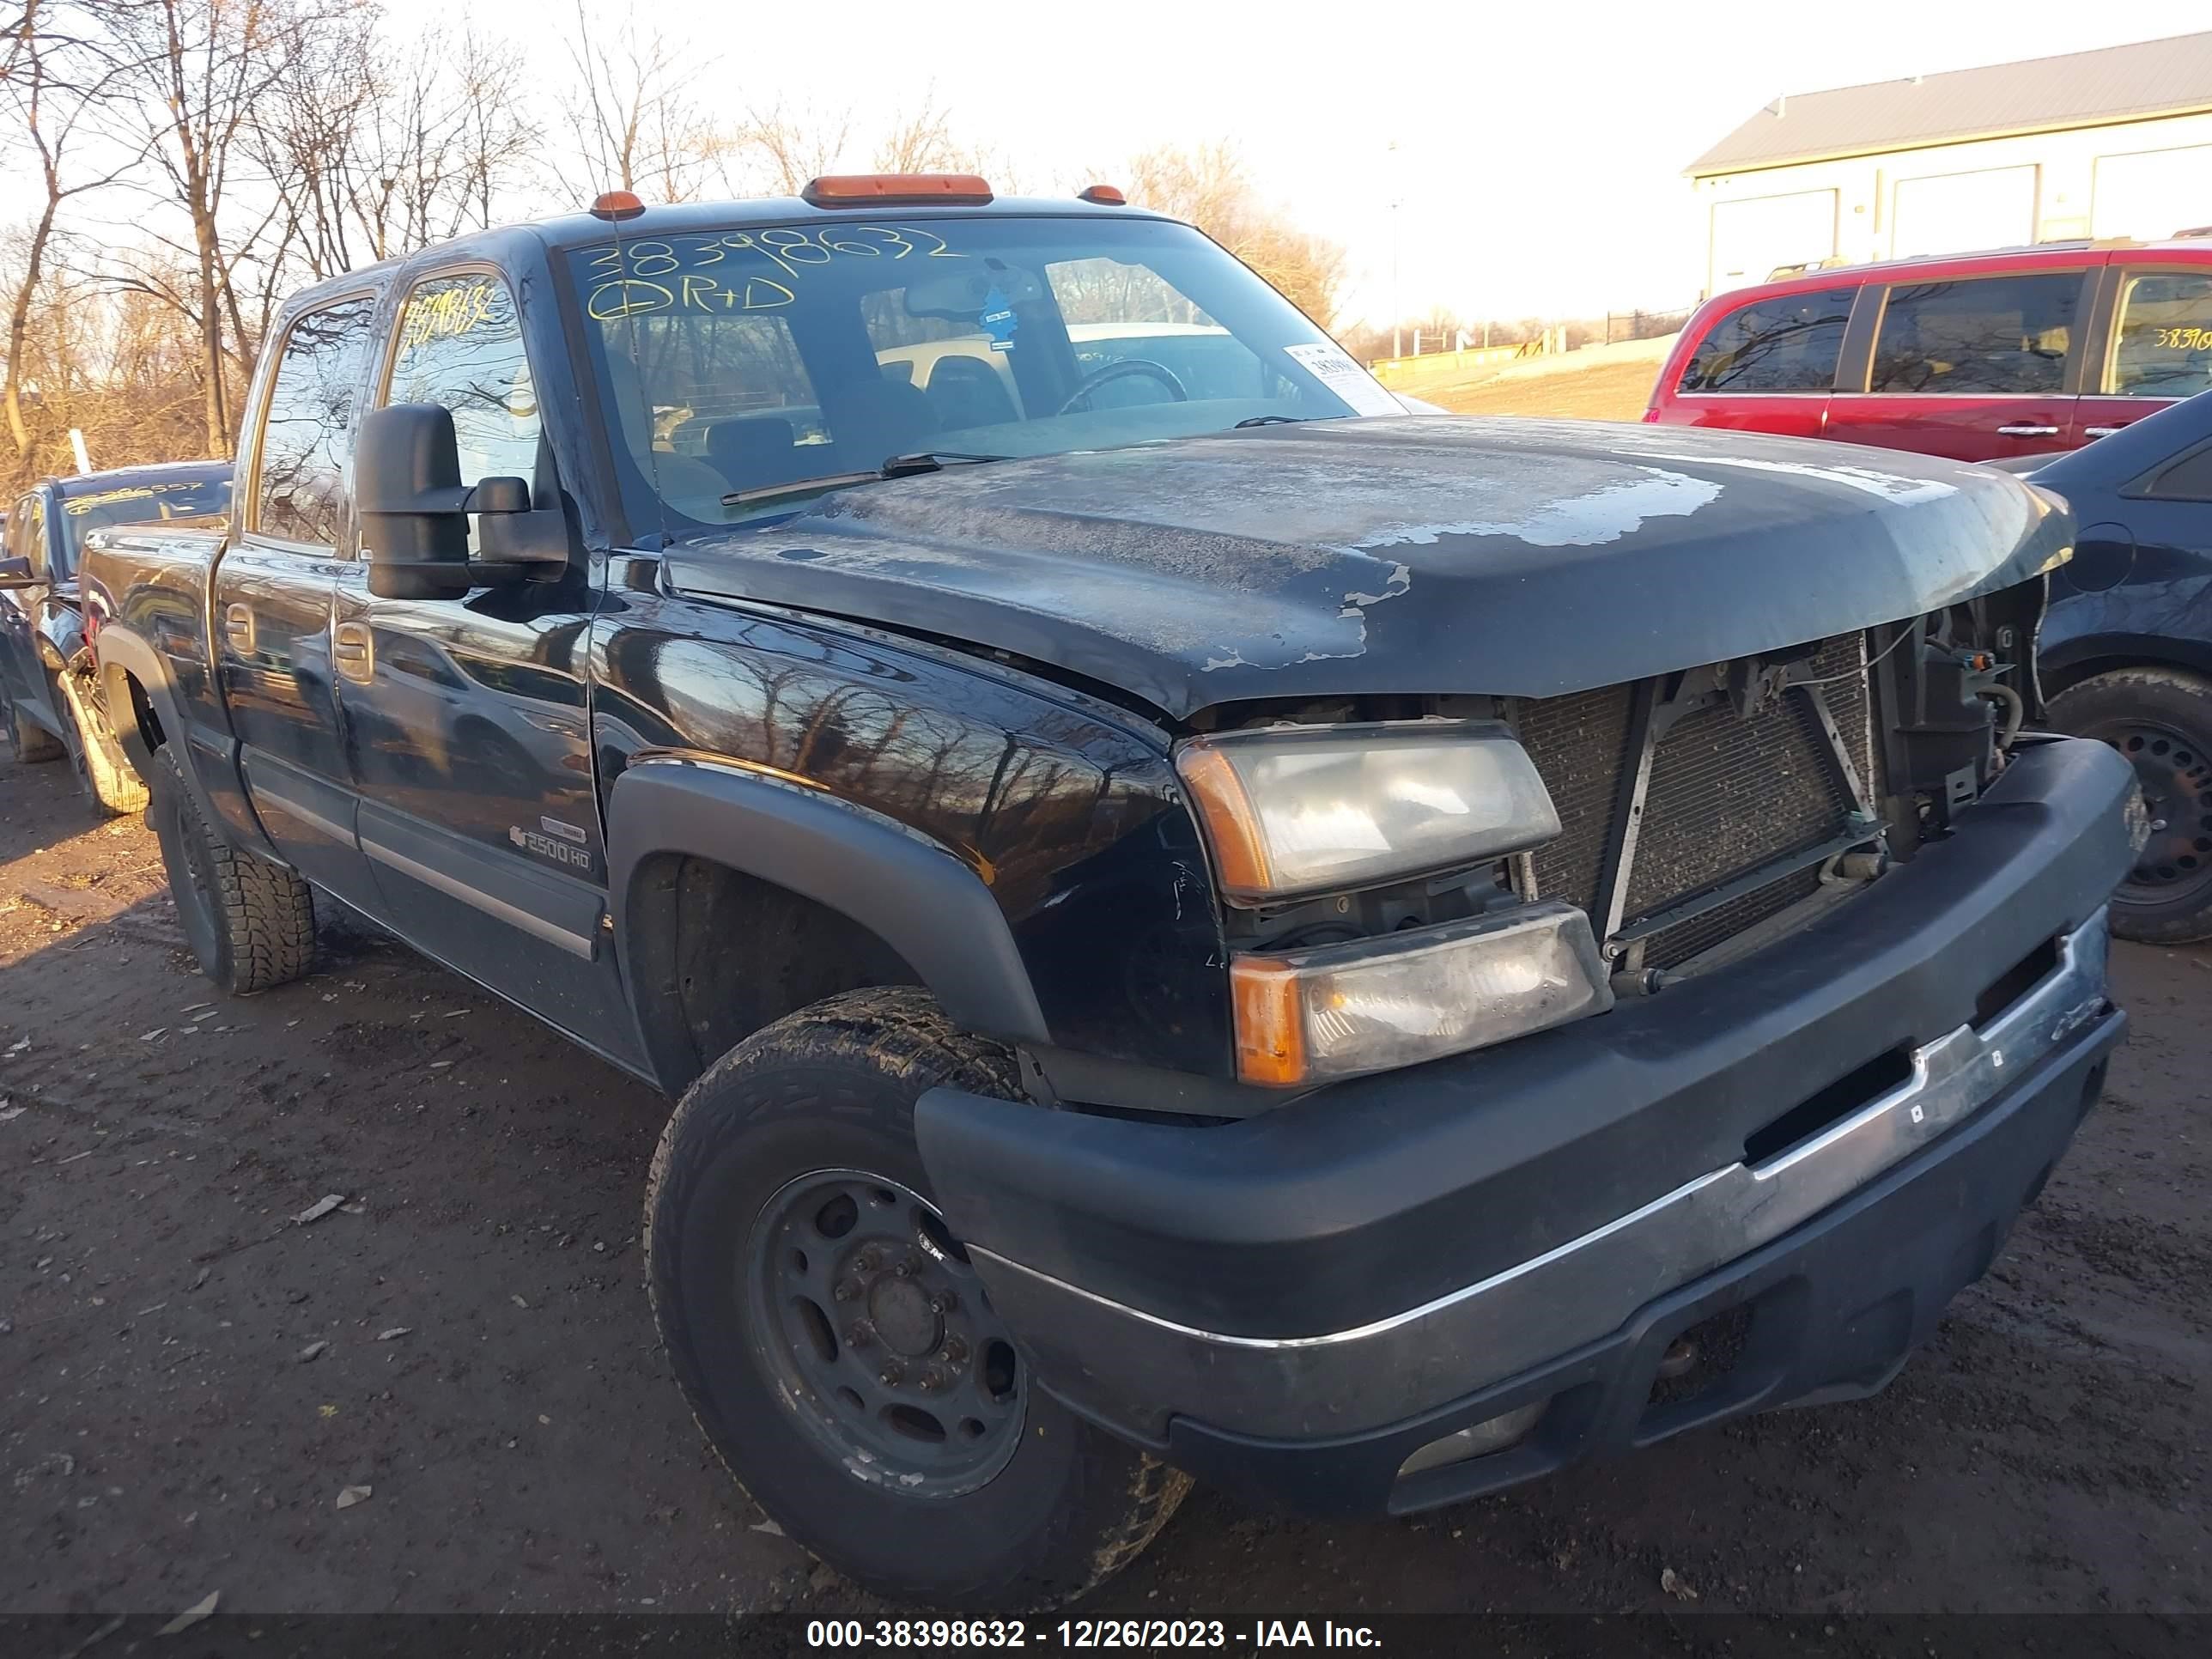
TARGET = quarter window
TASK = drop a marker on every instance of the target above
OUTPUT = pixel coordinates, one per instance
(306, 438)
(2162, 347)
(1789, 344)
(1988, 335)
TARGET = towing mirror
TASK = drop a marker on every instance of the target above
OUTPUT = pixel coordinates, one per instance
(415, 513)
(414, 516)
(17, 573)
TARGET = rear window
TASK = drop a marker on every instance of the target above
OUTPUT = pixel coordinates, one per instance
(2163, 345)
(1985, 335)
(1788, 344)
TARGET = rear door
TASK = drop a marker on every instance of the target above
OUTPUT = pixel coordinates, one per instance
(2154, 344)
(273, 590)
(1973, 367)
(1768, 366)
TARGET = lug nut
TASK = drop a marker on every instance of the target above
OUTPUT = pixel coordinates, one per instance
(903, 1269)
(933, 1379)
(860, 1335)
(865, 1262)
(891, 1375)
(943, 1302)
(846, 1290)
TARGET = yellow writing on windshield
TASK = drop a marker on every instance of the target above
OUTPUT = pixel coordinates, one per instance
(77, 505)
(2185, 339)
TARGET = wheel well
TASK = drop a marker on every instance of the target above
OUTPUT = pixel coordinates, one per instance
(715, 954)
(2055, 680)
(149, 723)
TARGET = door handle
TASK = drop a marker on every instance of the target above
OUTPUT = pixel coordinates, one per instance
(353, 652)
(2027, 430)
(2102, 431)
(238, 627)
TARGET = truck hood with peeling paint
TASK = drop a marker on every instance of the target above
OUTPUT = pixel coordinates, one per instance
(1505, 557)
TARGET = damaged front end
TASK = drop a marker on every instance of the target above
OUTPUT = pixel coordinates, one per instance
(1682, 821)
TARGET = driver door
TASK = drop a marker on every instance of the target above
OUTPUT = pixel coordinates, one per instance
(466, 719)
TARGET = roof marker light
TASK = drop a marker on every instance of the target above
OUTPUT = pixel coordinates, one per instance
(883, 189)
(612, 204)
(1103, 195)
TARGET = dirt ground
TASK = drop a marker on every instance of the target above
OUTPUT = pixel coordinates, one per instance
(189, 1380)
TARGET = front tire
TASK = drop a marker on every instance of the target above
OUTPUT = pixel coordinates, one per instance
(2160, 719)
(251, 925)
(837, 1347)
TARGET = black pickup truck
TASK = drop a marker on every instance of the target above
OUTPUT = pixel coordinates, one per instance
(1199, 925)
(49, 696)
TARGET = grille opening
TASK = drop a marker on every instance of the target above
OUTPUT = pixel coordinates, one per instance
(1839, 1099)
(2015, 982)
(1711, 1347)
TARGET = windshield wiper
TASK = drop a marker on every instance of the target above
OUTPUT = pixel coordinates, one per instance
(797, 487)
(1270, 420)
(898, 466)
(933, 460)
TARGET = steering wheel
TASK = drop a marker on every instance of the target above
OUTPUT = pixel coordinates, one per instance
(1121, 368)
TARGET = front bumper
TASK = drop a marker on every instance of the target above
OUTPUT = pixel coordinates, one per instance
(1835, 1135)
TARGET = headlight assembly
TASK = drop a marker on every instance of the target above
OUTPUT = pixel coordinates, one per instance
(1289, 811)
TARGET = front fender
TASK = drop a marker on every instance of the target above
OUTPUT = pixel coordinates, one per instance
(207, 758)
(909, 890)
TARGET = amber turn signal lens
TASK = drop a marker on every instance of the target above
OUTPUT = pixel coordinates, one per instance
(1271, 1039)
(1232, 829)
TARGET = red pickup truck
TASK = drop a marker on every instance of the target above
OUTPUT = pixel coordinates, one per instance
(1976, 356)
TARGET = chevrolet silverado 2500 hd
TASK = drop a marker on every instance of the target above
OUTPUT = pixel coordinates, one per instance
(1196, 929)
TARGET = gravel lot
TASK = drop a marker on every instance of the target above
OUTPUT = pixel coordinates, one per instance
(189, 1379)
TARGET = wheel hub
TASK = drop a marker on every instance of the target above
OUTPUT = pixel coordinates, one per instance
(2177, 786)
(867, 1317)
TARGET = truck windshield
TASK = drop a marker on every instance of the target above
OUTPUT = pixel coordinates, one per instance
(181, 501)
(742, 364)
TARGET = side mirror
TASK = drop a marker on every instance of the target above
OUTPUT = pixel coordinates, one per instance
(414, 517)
(17, 573)
(415, 513)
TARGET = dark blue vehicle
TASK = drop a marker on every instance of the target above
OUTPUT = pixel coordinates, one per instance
(1199, 924)
(2127, 646)
(49, 694)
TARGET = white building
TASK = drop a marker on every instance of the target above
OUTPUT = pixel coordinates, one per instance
(2094, 144)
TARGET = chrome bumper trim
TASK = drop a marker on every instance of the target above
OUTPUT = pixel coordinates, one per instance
(1345, 1381)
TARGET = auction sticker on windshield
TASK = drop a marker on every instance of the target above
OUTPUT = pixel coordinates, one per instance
(1333, 366)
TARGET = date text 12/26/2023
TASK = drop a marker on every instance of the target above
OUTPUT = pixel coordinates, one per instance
(947, 1634)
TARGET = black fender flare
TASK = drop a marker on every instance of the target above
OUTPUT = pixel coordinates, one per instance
(910, 890)
(118, 652)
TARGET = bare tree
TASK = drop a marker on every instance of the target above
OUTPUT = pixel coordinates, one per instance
(202, 68)
(56, 81)
(632, 118)
(779, 148)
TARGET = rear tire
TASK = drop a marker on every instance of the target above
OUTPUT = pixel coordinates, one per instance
(837, 1349)
(102, 770)
(251, 925)
(2160, 719)
(33, 743)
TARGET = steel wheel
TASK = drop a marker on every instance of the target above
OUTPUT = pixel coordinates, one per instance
(2175, 864)
(870, 1320)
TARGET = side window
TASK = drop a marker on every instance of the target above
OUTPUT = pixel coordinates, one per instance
(1981, 336)
(1789, 344)
(307, 437)
(2162, 342)
(26, 534)
(461, 346)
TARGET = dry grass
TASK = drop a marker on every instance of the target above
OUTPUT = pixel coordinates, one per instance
(1612, 392)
